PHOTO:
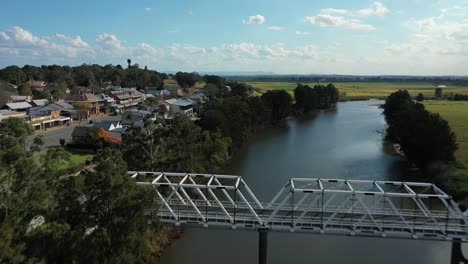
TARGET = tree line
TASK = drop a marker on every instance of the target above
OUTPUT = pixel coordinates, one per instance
(425, 138)
(85, 75)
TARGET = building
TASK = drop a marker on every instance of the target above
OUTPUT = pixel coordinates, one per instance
(19, 99)
(66, 109)
(160, 94)
(5, 113)
(181, 106)
(126, 97)
(40, 102)
(81, 135)
(19, 107)
(109, 125)
(96, 103)
(43, 118)
(174, 90)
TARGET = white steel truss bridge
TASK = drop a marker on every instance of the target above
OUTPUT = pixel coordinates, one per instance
(387, 209)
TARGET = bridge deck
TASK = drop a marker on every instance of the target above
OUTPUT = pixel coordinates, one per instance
(327, 206)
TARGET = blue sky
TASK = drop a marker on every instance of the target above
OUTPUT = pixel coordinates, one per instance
(283, 36)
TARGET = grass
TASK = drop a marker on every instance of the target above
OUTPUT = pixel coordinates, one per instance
(367, 90)
(79, 158)
(456, 113)
(172, 82)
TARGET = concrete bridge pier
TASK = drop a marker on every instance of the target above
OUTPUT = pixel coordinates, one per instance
(262, 245)
(457, 253)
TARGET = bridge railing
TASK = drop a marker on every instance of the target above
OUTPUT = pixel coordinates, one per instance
(325, 205)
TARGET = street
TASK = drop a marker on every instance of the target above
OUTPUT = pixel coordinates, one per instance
(52, 136)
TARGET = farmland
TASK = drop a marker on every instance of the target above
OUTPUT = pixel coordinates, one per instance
(368, 90)
(456, 113)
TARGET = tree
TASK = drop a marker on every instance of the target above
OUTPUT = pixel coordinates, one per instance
(438, 92)
(425, 138)
(83, 108)
(186, 79)
(420, 97)
(37, 143)
(129, 61)
(25, 89)
(279, 101)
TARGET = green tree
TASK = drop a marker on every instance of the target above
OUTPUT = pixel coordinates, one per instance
(279, 101)
(420, 97)
(37, 143)
(438, 92)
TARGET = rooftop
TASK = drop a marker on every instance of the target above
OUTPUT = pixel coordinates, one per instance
(180, 102)
(20, 105)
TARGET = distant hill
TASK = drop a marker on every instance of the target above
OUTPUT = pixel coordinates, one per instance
(230, 73)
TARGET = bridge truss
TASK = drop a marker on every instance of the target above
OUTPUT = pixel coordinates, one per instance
(409, 210)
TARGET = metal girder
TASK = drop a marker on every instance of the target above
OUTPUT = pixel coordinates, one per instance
(335, 206)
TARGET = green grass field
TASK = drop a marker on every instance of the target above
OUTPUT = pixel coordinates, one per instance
(367, 90)
(456, 113)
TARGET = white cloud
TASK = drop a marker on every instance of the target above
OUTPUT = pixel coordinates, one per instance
(332, 17)
(426, 25)
(298, 32)
(275, 28)
(376, 9)
(148, 9)
(76, 42)
(326, 20)
(335, 11)
(257, 19)
(109, 41)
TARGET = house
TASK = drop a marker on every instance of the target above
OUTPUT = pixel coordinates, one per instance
(5, 113)
(19, 99)
(66, 109)
(81, 135)
(40, 102)
(199, 99)
(181, 106)
(160, 94)
(126, 97)
(136, 117)
(43, 118)
(19, 107)
(109, 125)
(96, 103)
(174, 90)
(38, 85)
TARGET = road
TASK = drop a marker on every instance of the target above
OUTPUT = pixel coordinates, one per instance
(52, 136)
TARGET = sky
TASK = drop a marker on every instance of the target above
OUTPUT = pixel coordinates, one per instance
(408, 37)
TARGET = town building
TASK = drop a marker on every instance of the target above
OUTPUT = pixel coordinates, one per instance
(181, 106)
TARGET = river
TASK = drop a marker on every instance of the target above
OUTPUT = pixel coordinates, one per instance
(340, 143)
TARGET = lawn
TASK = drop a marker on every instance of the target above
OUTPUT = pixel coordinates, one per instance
(368, 90)
(456, 113)
(79, 158)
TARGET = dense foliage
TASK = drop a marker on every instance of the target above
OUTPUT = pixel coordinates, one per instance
(47, 216)
(425, 138)
(187, 79)
(177, 146)
(318, 97)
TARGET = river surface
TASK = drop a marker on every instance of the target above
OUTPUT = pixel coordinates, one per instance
(341, 143)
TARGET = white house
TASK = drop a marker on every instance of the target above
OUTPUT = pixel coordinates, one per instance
(181, 106)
